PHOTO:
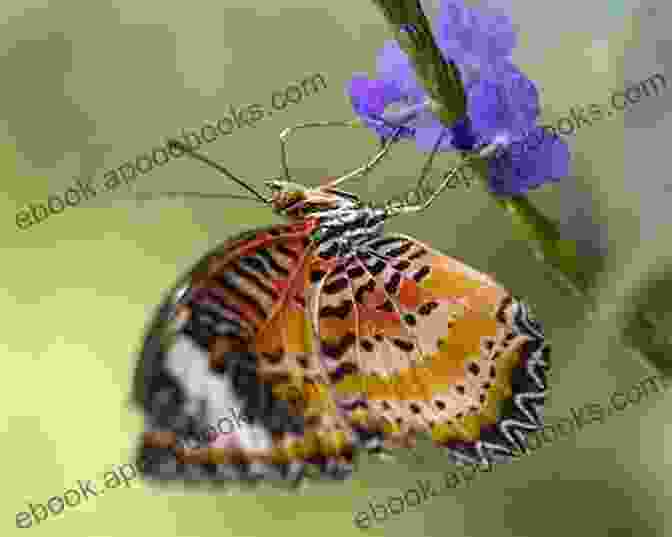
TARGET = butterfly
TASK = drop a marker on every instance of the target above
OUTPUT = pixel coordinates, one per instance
(324, 337)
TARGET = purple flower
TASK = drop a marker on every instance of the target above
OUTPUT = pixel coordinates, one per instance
(396, 99)
(502, 103)
(515, 173)
(393, 65)
(504, 106)
(369, 98)
(464, 137)
(474, 38)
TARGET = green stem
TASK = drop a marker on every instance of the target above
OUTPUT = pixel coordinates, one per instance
(442, 82)
(414, 35)
(542, 236)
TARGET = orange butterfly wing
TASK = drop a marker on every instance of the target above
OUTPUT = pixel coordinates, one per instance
(418, 342)
(320, 357)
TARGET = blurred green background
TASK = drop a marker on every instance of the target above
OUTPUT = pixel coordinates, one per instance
(88, 86)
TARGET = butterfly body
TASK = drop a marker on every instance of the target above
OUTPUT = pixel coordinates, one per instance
(328, 336)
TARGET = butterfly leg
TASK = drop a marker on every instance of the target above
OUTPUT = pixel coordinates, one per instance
(428, 165)
(447, 179)
(375, 160)
(284, 135)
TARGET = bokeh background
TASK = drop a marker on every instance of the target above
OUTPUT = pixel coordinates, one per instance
(86, 86)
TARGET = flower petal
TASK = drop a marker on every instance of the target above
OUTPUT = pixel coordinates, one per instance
(505, 105)
(516, 173)
(393, 65)
(370, 97)
(467, 34)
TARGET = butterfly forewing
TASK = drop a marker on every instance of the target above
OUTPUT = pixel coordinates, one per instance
(417, 341)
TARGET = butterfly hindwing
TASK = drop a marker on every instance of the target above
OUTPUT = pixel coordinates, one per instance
(225, 364)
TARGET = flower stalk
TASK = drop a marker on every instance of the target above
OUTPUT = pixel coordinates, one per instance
(440, 79)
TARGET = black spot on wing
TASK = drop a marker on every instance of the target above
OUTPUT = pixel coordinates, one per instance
(402, 265)
(367, 345)
(337, 286)
(342, 371)
(365, 288)
(418, 254)
(341, 311)
(392, 285)
(356, 272)
(401, 250)
(405, 346)
(376, 244)
(421, 274)
(337, 350)
(428, 307)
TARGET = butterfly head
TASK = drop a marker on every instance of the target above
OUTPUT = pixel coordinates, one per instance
(297, 201)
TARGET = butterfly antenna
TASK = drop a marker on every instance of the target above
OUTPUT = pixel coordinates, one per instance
(145, 196)
(189, 151)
